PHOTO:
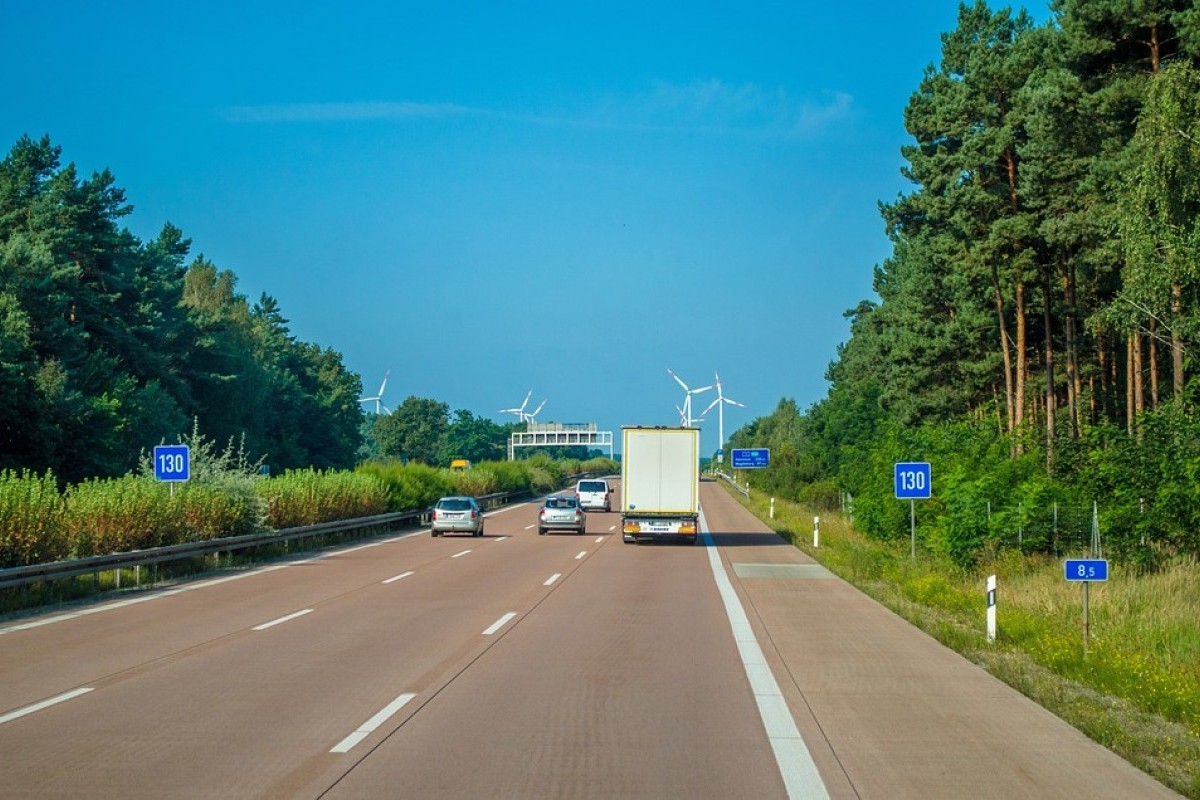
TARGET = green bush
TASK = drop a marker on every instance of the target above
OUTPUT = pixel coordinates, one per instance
(511, 476)
(410, 486)
(32, 519)
(475, 482)
(311, 496)
(115, 515)
(820, 495)
(604, 466)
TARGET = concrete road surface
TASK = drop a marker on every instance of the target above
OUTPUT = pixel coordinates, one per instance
(523, 666)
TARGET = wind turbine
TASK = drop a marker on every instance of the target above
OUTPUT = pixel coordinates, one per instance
(378, 396)
(520, 410)
(529, 417)
(685, 413)
(720, 403)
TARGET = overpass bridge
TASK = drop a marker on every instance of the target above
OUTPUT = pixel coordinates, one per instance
(560, 434)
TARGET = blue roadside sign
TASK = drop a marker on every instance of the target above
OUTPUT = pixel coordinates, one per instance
(751, 458)
(1086, 569)
(172, 462)
(914, 481)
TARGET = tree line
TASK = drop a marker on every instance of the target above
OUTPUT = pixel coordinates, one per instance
(1043, 290)
(110, 345)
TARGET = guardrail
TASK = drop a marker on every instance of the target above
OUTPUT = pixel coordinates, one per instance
(745, 491)
(94, 565)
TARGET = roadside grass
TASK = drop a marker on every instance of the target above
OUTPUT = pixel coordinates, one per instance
(1137, 690)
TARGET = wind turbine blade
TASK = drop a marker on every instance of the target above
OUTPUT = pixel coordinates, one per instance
(385, 377)
(734, 402)
(710, 406)
(539, 408)
(701, 389)
(526, 401)
(677, 380)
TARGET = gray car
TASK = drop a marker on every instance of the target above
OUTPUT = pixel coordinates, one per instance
(561, 512)
(456, 515)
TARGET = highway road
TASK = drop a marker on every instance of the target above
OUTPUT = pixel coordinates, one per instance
(523, 666)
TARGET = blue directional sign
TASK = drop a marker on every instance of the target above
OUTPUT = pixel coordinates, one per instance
(1086, 569)
(751, 458)
(914, 481)
(172, 462)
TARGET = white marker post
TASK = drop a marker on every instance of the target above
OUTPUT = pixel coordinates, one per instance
(991, 608)
(816, 531)
(772, 508)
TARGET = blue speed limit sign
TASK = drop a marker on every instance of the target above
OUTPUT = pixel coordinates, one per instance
(913, 481)
(172, 462)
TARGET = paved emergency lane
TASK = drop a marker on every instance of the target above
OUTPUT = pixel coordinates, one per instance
(885, 710)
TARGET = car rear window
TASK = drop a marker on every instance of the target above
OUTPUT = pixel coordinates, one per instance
(593, 486)
(560, 502)
(454, 505)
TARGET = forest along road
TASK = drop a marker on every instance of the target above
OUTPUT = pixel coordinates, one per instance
(518, 665)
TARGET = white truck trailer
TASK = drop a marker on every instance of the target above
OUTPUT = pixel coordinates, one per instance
(660, 484)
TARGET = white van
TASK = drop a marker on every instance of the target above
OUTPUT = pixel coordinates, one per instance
(593, 493)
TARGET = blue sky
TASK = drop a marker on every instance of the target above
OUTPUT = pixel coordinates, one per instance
(487, 198)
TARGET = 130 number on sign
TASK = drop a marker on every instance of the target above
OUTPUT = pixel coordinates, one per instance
(913, 481)
(172, 462)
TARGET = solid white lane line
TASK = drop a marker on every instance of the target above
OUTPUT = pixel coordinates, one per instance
(53, 701)
(282, 620)
(582, 553)
(800, 776)
(550, 581)
(500, 623)
(191, 587)
(370, 725)
(133, 601)
(398, 577)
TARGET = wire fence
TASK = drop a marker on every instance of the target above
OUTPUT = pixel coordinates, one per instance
(1055, 528)
(1058, 528)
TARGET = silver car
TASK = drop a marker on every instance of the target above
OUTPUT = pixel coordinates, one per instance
(456, 515)
(561, 512)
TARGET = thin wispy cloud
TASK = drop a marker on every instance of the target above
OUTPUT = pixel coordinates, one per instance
(345, 112)
(708, 106)
(721, 107)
